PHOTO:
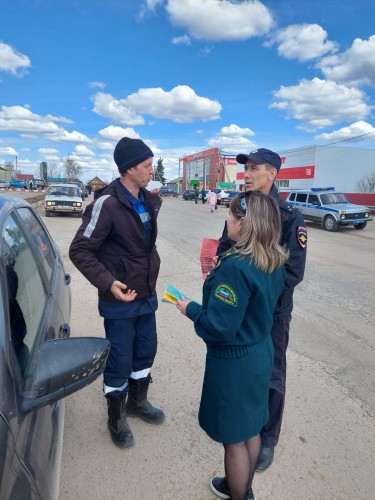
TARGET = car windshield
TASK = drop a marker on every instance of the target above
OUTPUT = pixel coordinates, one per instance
(63, 191)
(333, 198)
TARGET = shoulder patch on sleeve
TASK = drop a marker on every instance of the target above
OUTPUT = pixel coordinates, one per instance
(226, 294)
(302, 236)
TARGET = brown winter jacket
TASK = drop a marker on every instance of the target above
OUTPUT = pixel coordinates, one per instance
(111, 243)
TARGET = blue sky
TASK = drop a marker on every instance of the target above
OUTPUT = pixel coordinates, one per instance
(183, 75)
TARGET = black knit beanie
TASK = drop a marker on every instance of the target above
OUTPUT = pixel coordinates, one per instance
(129, 152)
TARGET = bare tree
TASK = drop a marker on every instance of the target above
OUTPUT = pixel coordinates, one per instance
(10, 167)
(52, 171)
(72, 169)
(366, 184)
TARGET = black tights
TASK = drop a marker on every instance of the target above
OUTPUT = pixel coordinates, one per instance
(240, 462)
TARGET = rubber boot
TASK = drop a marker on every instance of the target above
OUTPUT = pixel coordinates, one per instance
(138, 404)
(118, 427)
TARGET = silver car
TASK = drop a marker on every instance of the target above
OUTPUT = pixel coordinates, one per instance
(64, 198)
(329, 207)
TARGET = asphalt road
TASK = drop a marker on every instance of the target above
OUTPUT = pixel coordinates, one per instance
(327, 445)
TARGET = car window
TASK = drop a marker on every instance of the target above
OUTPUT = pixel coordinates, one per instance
(301, 197)
(331, 198)
(40, 237)
(292, 196)
(26, 293)
(54, 190)
(314, 199)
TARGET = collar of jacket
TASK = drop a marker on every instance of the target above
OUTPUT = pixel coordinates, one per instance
(151, 200)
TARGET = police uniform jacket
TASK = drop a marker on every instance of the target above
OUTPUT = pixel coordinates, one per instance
(111, 243)
(294, 237)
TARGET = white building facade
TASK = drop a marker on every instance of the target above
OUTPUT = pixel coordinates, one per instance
(321, 166)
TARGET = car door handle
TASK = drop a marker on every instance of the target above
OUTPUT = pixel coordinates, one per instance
(64, 331)
(68, 279)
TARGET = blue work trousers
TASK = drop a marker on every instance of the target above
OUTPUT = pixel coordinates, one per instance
(133, 349)
(276, 398)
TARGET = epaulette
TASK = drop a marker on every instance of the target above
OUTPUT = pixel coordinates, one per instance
(285, 206)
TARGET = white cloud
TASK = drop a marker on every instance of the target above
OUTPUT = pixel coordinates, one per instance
(353, 131)
(302, 42)
(151, 4)
(71, 137)
(82, 150)
(48, 151)
(8, 151)
(105, 145)
(181, 105)
(235, 131)
(220, 20)
(233, 138)
(21, 119)
(27, 126)
(182, 40)
(354, 66)
(320, 103)
(116, 109)
(98, 85)
(116, 133)
(12, 61)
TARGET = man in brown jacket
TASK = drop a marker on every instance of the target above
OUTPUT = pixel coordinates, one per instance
(115, 250)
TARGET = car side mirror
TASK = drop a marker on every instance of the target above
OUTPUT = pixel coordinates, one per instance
(64, 366)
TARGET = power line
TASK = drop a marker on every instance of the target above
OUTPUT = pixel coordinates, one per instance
(329, 144)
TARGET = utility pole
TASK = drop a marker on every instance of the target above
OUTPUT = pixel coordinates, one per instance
(178, 178)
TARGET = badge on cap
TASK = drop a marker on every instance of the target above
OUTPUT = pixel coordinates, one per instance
(226, 294)
(302, 236)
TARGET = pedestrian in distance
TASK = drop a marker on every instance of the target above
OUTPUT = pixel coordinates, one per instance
(261, 168)
(204, 194)
(212, 200)
(115, 250)
(235, 321)
(196, 194)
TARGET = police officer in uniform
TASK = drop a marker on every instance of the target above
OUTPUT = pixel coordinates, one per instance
(261, 168)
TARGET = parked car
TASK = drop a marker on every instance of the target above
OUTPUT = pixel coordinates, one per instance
(40, 183)
(39, 363)
(224, 193)
(82, 189)
(329, 207)
(166, 191)
(14, 183)
(64, 198)
(4, 183)
(189, 194)
(229, 197)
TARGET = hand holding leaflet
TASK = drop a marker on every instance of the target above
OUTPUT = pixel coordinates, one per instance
(172, 295)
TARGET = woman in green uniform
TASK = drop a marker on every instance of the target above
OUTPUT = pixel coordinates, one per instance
(235, 320)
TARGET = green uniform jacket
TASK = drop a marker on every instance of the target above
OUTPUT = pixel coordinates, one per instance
(238, 303)
(235, 321)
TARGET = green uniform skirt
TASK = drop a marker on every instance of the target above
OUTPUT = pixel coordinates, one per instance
(234, 403)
